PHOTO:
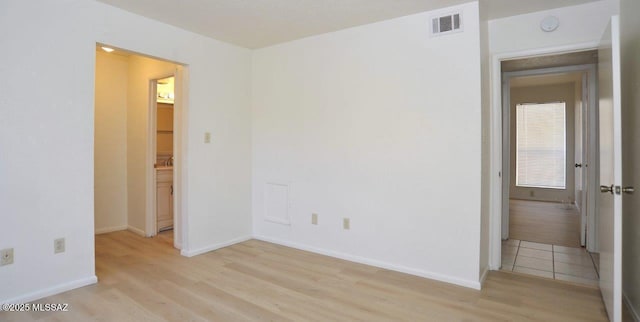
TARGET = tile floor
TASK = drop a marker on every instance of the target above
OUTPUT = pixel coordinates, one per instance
(558, 262)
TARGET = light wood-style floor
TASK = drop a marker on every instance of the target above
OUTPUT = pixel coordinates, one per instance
(143, 279)
(544, 222)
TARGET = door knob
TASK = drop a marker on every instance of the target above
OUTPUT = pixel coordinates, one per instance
(628, 190)
(578, 165)
(605, 189)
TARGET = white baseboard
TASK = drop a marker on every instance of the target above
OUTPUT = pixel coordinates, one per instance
(627, 302)
(483, 276)
(194, 252)
(51, 290)
(110, 229)
(136, 231)
(372, 262)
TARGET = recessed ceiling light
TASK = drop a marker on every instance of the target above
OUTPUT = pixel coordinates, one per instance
(107, 49)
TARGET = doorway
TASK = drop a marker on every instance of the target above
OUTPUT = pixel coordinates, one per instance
(606, 190)
(162, 105)
(548, 158)
(543, 139)
(130, 144)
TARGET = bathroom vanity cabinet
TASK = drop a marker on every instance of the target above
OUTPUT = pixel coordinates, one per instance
(164, 198)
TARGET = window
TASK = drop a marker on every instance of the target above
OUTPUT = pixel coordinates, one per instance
(540, 145)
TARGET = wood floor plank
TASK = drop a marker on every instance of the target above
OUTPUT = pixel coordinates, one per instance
(146, 279)
(544, 222)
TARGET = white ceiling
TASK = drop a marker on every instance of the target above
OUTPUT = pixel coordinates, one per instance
(261, 23)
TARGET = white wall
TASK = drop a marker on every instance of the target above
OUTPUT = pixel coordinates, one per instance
(578, 24)
(630, 29)
(141, 71)
(110, 142)
(382, 124)
(47, 136)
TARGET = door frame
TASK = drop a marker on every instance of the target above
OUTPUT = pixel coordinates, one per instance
(151, 218)
(179, 151)
(496, 140)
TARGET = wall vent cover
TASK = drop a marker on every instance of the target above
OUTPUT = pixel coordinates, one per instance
(276, 203)
(446, 24)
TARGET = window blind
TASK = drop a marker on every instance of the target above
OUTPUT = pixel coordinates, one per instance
(541, 145)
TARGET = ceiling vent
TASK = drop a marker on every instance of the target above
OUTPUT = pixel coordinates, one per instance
(446, 24)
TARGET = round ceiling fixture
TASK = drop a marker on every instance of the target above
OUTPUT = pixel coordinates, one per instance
(549, 23)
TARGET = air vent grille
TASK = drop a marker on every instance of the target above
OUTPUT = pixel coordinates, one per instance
(446, 24)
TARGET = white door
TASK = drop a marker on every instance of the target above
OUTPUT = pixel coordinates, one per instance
(610, 200)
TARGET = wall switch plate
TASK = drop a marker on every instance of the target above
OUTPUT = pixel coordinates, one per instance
(314, 219)
(207, 137)
(346, 223)
(58, 246)
(6, 256)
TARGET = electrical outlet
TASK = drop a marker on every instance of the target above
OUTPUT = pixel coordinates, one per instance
(207, 137)
(6, 256)
(314, 219)
(346, 223)
(58, 246)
